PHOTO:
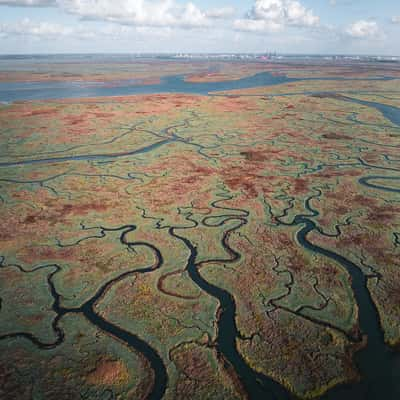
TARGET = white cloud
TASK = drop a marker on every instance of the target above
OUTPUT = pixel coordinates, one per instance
(29, 28)
(191, 17)
(275, 15)
(159, 13)
(220, 13)
(396, 19)
(256, 25)
(47, 30)
(28, 3)
(364, 30)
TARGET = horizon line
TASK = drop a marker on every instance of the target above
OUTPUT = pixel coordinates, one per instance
(225, 53)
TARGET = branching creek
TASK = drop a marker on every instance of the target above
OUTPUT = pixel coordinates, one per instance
(375, 361)
(88, 310)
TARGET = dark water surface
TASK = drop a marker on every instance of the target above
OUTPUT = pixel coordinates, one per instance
(389, 112)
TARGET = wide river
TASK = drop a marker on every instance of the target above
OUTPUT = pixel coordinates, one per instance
(13, 91)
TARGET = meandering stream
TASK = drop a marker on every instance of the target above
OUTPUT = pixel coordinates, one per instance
(377, 363)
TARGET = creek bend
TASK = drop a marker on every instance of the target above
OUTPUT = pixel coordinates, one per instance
(375, 361)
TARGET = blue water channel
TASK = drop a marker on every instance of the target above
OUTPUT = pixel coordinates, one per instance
(14, 91)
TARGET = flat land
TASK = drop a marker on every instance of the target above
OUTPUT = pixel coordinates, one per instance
(178, 246)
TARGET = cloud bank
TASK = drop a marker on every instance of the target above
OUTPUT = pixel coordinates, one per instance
(275, 15)
(364, 30)
(288, 25)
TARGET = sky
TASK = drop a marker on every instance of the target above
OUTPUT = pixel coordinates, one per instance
(200, 26)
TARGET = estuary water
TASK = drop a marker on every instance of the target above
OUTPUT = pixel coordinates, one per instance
(14, 91)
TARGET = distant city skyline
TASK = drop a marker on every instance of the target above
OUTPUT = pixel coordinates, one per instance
(232, 26)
